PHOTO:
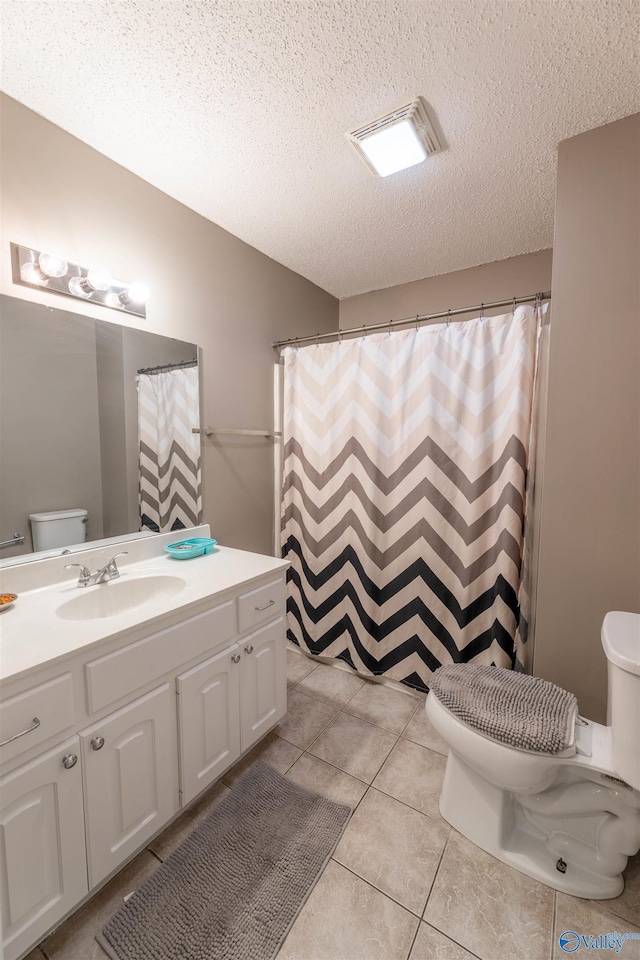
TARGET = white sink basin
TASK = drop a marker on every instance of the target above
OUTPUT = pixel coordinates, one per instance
(119, 596)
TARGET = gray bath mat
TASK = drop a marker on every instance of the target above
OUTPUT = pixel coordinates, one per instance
(233, 888)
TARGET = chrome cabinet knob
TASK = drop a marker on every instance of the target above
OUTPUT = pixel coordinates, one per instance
(97, 743)
(235, 658)
(69, 760)
(249, 648)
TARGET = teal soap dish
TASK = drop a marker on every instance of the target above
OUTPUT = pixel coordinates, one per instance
(186, 549)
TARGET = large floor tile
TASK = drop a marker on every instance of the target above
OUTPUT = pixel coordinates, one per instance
(589, 918)
(383, 706)
(393, 847)
(278, 753)
(346, 919)
(75, 939)
(354, 746)
(331, 685)
(328, 781)
(420, 730)
(414, 775)
(432, 945)
(489, 908)
(298, 667)
(627, 905)
(305, 719)
(164, 845)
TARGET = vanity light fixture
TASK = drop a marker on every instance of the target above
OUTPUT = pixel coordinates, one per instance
(396, 141)
(34, 268)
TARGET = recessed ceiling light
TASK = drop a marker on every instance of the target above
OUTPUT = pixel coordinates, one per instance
(399, 140)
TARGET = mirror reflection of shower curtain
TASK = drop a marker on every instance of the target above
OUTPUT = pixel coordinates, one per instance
(170, 480)
(405, 470)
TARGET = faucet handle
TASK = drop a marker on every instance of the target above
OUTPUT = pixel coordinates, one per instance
(112, 566)
(84, 576)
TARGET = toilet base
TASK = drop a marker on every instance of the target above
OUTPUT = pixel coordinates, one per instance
(496, 821)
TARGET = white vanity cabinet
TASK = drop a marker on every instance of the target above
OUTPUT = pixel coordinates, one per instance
(42, 846)
(145, 718)
(227, 703)
(263, 693)
(130, 784)
(208, 720)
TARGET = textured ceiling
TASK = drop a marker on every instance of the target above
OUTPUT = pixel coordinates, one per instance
(238, 109)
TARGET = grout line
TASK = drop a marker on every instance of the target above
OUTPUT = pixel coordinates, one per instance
(312, 696)
(457, 942)
(433, 882)
(605, 905)
(413, 942)
(553, 922)
(383, 892)
(415, 809)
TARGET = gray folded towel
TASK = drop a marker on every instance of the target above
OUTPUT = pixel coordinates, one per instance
(514, 708)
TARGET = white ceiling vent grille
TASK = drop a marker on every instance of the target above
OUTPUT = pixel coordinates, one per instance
(396, 141)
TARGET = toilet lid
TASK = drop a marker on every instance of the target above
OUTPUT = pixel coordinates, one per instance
(513, 708)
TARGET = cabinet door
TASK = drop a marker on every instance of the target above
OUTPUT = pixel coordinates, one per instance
(208, 720)
(131, 788)
(263, 693)
(42, 847)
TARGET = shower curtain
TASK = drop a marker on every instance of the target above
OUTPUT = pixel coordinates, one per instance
(170, 496)
(405, 470)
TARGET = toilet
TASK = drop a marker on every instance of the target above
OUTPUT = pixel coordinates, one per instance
(564, 808)
(58, 528)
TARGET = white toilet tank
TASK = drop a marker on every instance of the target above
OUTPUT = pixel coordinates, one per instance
(58, 528)
(621, 643)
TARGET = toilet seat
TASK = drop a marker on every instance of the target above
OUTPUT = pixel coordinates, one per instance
(516, 710)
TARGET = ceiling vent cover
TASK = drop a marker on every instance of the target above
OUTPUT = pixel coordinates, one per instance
(396, 141)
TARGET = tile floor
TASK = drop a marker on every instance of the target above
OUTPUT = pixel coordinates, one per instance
(402, 885)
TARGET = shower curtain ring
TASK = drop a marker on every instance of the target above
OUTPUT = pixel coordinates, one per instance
(417, 322)
(390, 327)
(363, 329)
(481, 310)
(448, 316)
(317, 338)
(514, 306)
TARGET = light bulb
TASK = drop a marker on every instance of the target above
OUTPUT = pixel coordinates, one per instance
(113, 300)
(30, 272)
(52, 266)
(138, 293)
(99, 279)
(80, 287)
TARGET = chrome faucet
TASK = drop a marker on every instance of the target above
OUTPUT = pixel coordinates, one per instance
(103, 575)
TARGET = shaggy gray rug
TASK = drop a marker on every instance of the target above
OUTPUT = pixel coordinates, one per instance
(233, 888)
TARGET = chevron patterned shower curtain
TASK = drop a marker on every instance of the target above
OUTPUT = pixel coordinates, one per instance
(405, 466)
(170, 495)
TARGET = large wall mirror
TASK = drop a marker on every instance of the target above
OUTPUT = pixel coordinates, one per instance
(98, 417)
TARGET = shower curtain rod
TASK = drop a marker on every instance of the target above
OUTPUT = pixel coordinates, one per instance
(420, 318)
(169, 366)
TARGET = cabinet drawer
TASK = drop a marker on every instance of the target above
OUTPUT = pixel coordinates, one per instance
(123, 671)
(260, 604)
(50, 704)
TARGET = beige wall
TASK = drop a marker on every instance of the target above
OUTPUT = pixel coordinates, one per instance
(590, 529)
(517, 276)
(208, 287)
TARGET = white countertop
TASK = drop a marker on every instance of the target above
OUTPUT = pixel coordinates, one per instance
(32, 635)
